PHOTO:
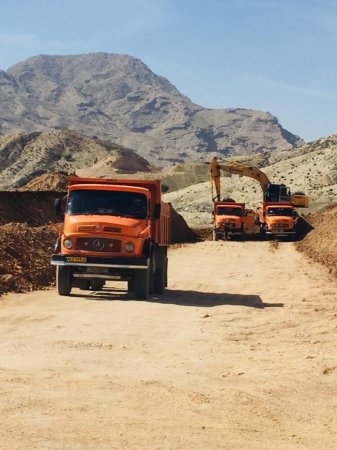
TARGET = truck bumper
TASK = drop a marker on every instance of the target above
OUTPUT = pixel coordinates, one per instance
(280, 233)
(93, 261)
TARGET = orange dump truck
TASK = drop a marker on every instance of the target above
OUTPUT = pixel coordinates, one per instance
(278, 219)
(231, 219)
(114, 229)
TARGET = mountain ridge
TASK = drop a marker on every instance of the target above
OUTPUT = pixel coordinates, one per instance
(118, 98)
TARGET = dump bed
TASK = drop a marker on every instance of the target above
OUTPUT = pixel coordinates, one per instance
(152, 185)
(163, 226)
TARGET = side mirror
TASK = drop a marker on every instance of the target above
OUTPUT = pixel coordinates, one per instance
(165, 188)
(157, 211)
(58, 209)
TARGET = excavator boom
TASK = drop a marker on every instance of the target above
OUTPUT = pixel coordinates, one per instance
(271, 192)
(246, 171)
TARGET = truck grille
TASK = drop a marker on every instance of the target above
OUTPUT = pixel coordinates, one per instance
(282, 225)
(230, 224)
(98, 245)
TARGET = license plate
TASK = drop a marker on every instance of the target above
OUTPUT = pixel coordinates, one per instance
(78, 259)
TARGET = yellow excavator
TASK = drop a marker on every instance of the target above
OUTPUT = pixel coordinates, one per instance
(271, 192)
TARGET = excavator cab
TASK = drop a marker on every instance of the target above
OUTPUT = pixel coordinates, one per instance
(276, 193)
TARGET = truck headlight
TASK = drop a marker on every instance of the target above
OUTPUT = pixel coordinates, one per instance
(129, 247)
(68, 243)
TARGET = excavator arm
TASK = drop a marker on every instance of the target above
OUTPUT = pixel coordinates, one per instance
(271, 192)
(246, 171)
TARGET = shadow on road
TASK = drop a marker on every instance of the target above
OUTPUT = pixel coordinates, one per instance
(208, 299)
(184, 298)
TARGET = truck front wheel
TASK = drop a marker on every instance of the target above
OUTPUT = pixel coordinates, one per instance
(142, 281)
(63, 280)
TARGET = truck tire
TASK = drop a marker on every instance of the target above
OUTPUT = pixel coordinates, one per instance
(63, 280)
(96, 285)
(159, 280)
(242, 234)
(131, 285)
(165, 268)
(142, 281)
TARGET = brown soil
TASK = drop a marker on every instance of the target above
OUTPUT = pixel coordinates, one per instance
(321, 243)
(25, 257)
(51, 181)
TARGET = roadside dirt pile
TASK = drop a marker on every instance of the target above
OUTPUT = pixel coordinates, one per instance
(25, 257)
(32, 208)
(320, 244)
(52, 181)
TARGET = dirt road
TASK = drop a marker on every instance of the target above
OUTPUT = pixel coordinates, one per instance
(240, 353)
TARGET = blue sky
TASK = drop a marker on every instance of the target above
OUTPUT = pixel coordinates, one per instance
(271, 55)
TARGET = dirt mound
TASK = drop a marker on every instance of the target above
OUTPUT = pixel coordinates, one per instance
(320, 244)
(32, 208)
(25, 257)
(52, 181)
(180, 231)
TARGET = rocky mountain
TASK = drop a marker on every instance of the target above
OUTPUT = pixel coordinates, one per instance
(118, 98)
(25, 156)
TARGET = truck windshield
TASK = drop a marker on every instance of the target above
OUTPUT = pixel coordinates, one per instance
(226, 211)
(280, 212)
(114, 203)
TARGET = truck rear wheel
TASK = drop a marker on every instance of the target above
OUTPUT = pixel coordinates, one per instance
(63, 280)
(142, 281)
(159, 281)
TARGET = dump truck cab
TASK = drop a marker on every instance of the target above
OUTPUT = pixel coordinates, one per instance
(113, 230)
(278, 219)
(228, 220)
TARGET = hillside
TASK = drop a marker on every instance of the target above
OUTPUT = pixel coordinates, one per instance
(118, 98)
(24, 156)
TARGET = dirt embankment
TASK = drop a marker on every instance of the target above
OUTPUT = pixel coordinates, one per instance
(25, 257)
(320, 244)
(27, 240)
(34, 208)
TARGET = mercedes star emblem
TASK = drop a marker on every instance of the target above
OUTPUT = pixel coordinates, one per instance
(98, 244)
